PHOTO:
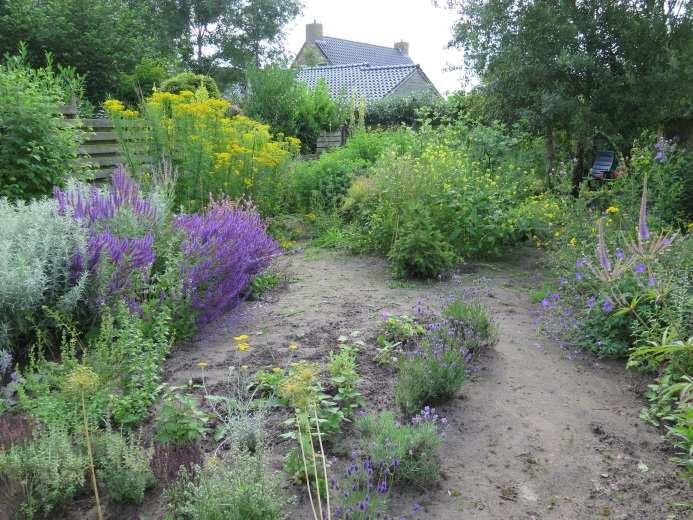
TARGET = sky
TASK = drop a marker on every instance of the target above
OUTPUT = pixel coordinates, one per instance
(383, 22)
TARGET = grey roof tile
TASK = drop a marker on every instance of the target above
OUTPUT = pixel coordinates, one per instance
(347, 52)
(357, 79)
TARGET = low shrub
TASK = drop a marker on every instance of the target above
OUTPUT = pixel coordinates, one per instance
(407, 110)
(122, 468)
(191, 82)
(470, 324)
(403, 453)
(430, 375)
(37, 247)
(420, 250)
(239, 487)
(180, 420)
(43, 474)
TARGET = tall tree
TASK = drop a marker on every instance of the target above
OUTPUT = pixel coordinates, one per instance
(101, 39)
(579, 66)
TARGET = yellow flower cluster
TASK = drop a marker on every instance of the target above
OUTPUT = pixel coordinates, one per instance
(299, 387)
(242, 342)
(225, 154)
(612, 210)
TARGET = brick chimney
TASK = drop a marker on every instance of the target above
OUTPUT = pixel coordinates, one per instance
(402, 47)
(313, 32)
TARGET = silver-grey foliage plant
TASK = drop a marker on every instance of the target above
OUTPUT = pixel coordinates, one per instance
(36, 250)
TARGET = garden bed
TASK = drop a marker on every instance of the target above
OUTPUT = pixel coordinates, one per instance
(537, 432)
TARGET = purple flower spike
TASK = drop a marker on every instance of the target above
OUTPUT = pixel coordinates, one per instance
(591, 301)
(608, 305)
(619, 253)
(643, 230)
(640, 268)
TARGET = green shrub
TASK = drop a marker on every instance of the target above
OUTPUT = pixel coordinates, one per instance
(240, 487)
(38, 150)
(36, 250)
(147, 74)
(180, 420)
(412, 447)
(42, 474)
(431, 375)
(122, 468)
(420, 250)
(471, 324)
(407, 110)
(290, 107)
(190, 81)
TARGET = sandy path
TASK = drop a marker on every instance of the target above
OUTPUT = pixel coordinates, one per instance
(534, 434)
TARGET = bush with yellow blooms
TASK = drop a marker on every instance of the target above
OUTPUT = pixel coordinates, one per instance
(213, 151)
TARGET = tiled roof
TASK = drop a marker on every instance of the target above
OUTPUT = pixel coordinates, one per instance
(346, 52)
(359, 79)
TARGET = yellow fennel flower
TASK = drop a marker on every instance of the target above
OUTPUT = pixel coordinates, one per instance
(612, 209)
(293, 346)
(241, 338)
(242, 347)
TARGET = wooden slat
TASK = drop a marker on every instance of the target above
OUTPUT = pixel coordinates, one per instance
(101, 136)
(106, 148)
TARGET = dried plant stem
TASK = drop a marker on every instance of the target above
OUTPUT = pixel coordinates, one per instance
(305, 466)
(315, 466)
(91, 458)
(324, 465)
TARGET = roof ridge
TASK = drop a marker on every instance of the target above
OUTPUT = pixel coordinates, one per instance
(397, 66)
(362, 43)
(343, 65)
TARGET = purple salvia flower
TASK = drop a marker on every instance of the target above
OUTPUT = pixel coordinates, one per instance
(224, 248)
(640, 268)
(619, 253)
(591, 302)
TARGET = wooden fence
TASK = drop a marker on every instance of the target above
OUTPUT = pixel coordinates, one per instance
(101, 149)
(327, 140)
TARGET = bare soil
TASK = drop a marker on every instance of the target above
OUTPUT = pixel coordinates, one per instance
(537, 433)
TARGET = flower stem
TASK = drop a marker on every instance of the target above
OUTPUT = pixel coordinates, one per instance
(91, 458)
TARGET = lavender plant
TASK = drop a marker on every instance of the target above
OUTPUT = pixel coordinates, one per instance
(432, 373)
(403, 453)
(362, 492)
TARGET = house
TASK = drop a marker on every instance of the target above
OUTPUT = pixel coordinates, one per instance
(362, 70)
